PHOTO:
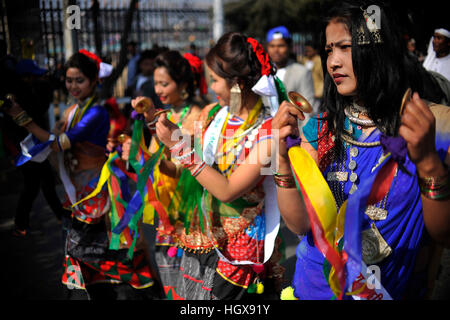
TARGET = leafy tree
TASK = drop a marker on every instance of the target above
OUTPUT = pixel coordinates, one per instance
(255, 18)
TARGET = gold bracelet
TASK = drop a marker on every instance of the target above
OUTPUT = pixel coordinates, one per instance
(435, 188)
(433, 182)
(285, 181)
(63, 142)
(22, 119)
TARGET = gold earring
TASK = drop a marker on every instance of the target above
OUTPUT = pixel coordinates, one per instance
(235, 99)
(184, 95)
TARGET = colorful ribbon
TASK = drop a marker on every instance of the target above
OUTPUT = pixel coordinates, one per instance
(126, 209)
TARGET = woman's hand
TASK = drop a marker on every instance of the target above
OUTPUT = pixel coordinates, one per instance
(126, 145)
(58, 128)
(144, 105)
(167, 132)
(418, 128)
(15, 108)
(285, 121)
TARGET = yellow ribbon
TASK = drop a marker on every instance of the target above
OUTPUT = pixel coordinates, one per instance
(322, 201)
(104, 176)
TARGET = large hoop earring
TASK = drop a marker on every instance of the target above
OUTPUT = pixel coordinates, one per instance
(235, 99)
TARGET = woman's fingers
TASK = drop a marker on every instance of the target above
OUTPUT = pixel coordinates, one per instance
(287, 131)
(417, 115)
(144, 105)
(126, 149)
(293, 110)
(167, 132)
(286, 115)
(418, 130)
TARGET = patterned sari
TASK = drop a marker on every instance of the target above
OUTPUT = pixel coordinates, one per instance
(393, 230)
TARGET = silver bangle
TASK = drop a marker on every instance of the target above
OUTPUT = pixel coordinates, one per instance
(149, 124)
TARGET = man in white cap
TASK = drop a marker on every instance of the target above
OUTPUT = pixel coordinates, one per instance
(438, 58)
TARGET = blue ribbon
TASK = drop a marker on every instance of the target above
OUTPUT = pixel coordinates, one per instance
(354, 213)
(34, 151)
(123, 182)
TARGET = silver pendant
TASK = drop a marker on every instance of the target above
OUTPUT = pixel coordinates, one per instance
(376, 213)
(374, 247)
(352, 165)
(337, 176)
(354, 152)
(353, 189)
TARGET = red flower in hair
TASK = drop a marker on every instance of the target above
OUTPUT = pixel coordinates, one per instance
(93, 56)
(197, 68)
(195, 62)
(262, 56)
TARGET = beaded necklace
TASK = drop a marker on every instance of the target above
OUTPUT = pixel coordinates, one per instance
(183, 114)
(231, 148)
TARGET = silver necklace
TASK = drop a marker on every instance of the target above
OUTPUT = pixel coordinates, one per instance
(361, 122)
(358, 109)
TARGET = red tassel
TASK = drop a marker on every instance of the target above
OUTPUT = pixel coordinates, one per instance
(258, 267)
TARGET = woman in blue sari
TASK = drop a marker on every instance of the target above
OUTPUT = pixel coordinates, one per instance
(367, 72)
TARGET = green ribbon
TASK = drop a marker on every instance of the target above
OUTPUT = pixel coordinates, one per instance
(281, 91)
(114, 217)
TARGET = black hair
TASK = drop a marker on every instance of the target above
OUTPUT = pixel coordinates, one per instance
(383, 70)
(178, 68)
(148, 54)
(86, 65)
(233, 59)
(311, 44)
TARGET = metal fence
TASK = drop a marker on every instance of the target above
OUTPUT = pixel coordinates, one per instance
(3, 22)
(169, 23)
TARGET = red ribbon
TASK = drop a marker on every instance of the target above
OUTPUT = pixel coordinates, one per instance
(382, 182)
(262, 56)
(93, 56)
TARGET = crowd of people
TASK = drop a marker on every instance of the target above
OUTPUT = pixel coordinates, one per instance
(349, 147)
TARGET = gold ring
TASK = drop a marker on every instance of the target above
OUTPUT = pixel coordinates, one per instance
(122, 138)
